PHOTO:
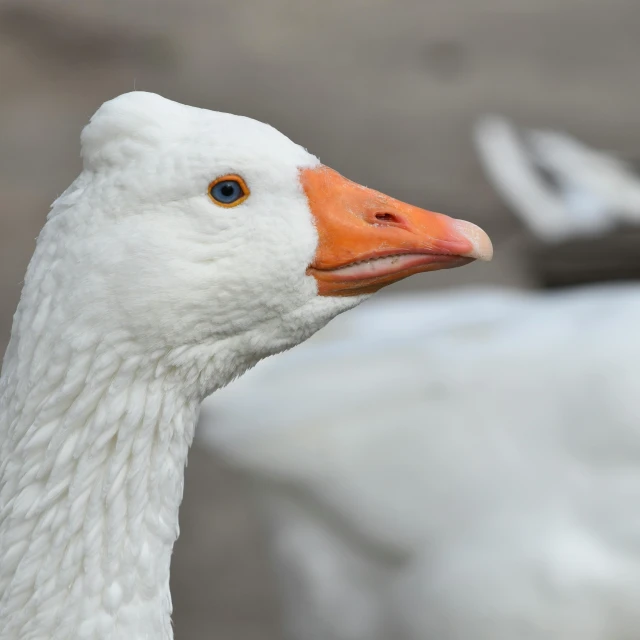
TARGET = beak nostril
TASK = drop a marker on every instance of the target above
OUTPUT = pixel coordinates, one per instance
(387, 217)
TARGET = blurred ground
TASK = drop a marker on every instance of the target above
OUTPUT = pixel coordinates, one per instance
(385, 92)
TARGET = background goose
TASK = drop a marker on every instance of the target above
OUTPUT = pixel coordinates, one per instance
(192, 245)
(459, 466)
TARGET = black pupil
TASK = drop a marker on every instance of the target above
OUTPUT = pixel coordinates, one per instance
(227, 190)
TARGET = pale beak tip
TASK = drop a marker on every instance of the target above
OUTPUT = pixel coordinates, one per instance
(482, 246)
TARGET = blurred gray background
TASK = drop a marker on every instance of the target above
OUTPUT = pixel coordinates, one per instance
(385, 92)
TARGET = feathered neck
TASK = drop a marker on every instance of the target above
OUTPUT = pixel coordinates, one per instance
(94, 434)
(93, 451)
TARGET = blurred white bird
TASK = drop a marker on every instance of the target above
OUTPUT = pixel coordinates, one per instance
(462, 466)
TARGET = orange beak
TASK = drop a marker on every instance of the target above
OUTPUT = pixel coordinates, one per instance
(368, 240)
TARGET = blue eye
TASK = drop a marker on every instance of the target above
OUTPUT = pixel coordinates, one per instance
(228, 191)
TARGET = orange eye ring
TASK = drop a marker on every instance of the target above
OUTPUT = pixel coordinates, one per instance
(228, 191)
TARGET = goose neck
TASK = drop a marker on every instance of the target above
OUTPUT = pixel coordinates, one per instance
(91, 479)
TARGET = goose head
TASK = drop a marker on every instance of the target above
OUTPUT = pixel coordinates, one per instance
(190, 227)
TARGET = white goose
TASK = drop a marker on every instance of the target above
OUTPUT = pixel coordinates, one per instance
(192, 245)
(459, 466)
